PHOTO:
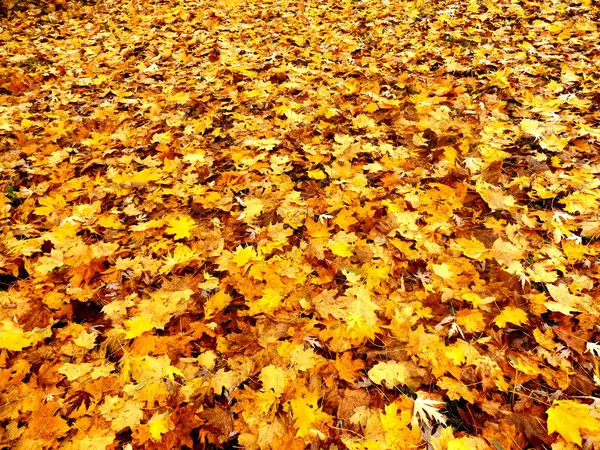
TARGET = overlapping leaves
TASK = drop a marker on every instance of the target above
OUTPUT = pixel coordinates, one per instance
(281, 224)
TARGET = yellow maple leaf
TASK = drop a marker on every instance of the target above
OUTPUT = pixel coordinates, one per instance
(471, 320)
(151, 224)
(568, 418)
(494, 197)
(443, 270)
(476, 299)
(46, 264)
(12, 337)
(419, 140)
(533, 127)
(243, 255)
(121, 413)
(308, 415)
(540, 273)
(506, 252)
(181, 98)
(581, 202)
(253, 207)
(317, 174)
(144, 176)
(564, 302)
(472, 248)
(371, 107)
(455, 389)
(86, 340)
(159, 424)
(75, 371)
(553, 143)
(345, 219)
(269, 302)
(263, 144)
(101, 371)
(50, 205)
(110, 221)
(363, 121)
(274, 379)
(511, 315)
(348, 368)
(137, 326)
(227, 379)
(181, 255)
(163, 138)
(318, 230)
(342, 244)
(96, 441)
(392, 372)
(394, 423)
(468, 443)
(181, 226)
(304, 358)
(216, 303)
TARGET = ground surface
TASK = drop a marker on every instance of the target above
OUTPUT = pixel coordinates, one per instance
(367, 224)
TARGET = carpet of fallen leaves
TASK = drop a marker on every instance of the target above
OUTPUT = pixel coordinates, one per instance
(361, 224)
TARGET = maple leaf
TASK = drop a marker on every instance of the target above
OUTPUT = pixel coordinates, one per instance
(181, 227)
(471, 321)
(393, 373)
(207, 359)
(121, 413)
(553, 143)
(274, 379)
(180, 98)
(226, 379)
(456, 389)
(86, 340)
(264, 144)
(593, 348)
(45, 425)
(95, 441)
(317, 174)
(75, 371)
(564, 301)
(394, 422)
(253, 207)
(304, 358)
(147, 368)
(568, 418)
(511, 315)
(363, 121)
(467, 443)
(47, 264)
(348, 368)
(50, 205)
(443, 270)
(308, 416)
(181, 255)
(532, 127)
(137, 326)
(494, 197)
(158, 425)
(163, 138)
(12, 337)
(243, 255)
(472, 248)
(426, 410)
(268, 303)
(340, 246)
(216, 303)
